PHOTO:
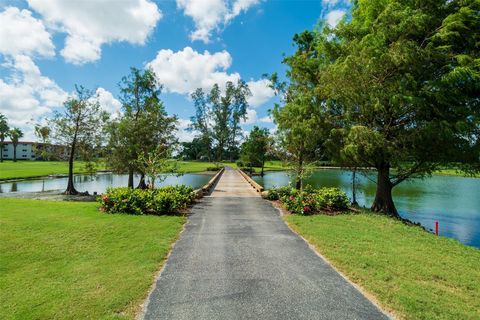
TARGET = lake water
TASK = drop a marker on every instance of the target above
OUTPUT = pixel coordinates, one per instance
(452, 201)
(98, 183)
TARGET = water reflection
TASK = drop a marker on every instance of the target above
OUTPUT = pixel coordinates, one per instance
(453, 201)
(97, 183)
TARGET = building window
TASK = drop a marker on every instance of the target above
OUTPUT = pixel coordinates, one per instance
(24, 156)
(24, 150)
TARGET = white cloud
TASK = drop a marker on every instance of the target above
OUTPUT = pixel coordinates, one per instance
(183, 134)
(261, 92)
(252, 118)
(186, 70)
(108, 102)
(210, 15)
(20, 33)
(331, 2)
(27, 95)
(334, 17)
(89, 24)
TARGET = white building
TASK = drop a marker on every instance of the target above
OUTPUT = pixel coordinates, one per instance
(25, 150)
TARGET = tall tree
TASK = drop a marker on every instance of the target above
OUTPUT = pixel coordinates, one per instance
(255, 148)
(218, 116)
(143, 127)
(4, 129)
(305, 116)
(408, 78)
(80, 128)
(15, 135)
(43, 133)
(201, 121)
(238, 99)
(301, 134)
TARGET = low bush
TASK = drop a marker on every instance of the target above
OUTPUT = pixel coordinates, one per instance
(166, 200)
(216, 168)
(310, 200)
(278, 193)
(332, 199)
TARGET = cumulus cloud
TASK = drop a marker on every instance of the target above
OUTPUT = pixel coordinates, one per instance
(27, 95)
(252, 118)
(108, 102)
(186, 70)
(89, 24)
(210, 15)
(20, 33)
(183, 134)
(261, 92)
(334, 17)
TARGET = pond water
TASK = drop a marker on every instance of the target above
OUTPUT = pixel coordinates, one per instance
(98, 183)
(452, 201)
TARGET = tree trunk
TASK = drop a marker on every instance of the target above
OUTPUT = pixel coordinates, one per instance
(263, 165)
(1, 151)
(14, 153)
(298, 183)
(130, 178)
(354, 187)
(142, 185)
(70, 187)
(383, 199)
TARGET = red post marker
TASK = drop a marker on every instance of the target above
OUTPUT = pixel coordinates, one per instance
(436, 228)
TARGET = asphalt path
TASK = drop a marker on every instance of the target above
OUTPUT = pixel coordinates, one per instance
(236, 259)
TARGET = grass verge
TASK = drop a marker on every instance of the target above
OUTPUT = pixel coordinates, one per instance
(31, 169)
(68, 260)
(414, 274)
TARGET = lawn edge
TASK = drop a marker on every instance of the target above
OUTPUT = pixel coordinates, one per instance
(389, 312)
(141, 309)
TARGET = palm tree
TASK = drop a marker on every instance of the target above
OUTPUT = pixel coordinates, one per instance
(15, 134)
(3, 133)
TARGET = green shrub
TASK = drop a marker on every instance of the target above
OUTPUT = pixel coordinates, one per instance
(216, 168)
(278, 193)
(310, 201)
(240, 163)
(166, 200)
(332, 199)
(298, 202)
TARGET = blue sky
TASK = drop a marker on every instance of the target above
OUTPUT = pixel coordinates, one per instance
(48, 46)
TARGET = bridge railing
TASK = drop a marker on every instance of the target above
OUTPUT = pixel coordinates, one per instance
(255, 185)
(199, 193)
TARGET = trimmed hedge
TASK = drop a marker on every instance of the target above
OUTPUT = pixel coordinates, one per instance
(310, 201)
(162, 201)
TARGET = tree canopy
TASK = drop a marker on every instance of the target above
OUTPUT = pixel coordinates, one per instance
(400, 81)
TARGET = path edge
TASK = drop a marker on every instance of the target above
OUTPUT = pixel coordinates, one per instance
(369, 296)
(140, 315)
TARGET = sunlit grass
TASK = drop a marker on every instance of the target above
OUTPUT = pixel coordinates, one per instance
(416, 274)
(68, 260)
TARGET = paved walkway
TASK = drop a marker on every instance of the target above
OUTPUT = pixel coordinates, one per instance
(237, 259)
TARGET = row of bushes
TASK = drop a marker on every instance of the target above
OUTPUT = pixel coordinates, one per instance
(162, 201)
(310, 201)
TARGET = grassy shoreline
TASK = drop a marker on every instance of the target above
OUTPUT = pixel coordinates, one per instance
(412, 273)
(68, 260)
(36, 169)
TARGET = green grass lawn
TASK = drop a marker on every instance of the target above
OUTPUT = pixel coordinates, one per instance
(415, 274)
(68, 260)
(30, 169)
